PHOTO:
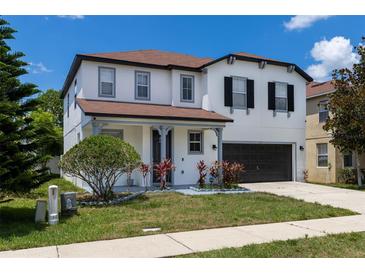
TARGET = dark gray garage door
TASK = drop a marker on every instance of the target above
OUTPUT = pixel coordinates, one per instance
(263, 162)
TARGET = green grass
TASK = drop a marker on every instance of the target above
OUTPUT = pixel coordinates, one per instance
(347, 245)
(170, 211)
(63, 186)
(341, 185)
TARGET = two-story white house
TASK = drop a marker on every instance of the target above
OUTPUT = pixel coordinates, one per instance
(240, 107)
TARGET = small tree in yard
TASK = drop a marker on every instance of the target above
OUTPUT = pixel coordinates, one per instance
(162, 169)
(100, 161)
(346, 122)
(202, 168)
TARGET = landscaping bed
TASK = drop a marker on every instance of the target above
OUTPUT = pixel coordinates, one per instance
(169, 211)
(346, 245)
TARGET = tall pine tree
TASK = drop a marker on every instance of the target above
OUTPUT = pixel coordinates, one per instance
(19, 163)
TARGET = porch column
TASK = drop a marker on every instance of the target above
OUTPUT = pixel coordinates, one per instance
(163, 131)
(96, 128)
(219, 133)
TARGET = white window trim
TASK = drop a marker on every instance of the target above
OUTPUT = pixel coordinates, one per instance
(286, 97)
(322, 155)
(201, 142)
(324, 102)
(182, 76)
(100, 90)
(239, 92)
(136, 85)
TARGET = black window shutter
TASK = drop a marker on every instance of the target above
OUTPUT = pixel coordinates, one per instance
(250, 94)
(271, 95)
(228, 100)
(290, 95)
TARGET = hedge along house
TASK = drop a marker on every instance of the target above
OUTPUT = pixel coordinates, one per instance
(240, 107)
(325, 163)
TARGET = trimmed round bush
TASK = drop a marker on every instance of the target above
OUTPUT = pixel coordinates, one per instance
(100, 161)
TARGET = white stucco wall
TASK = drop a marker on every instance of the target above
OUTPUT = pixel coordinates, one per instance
(260, 125)
(257, 126)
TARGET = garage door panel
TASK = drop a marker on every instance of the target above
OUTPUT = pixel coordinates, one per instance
(263, 162)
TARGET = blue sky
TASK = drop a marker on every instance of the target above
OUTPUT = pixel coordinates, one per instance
(50, 42)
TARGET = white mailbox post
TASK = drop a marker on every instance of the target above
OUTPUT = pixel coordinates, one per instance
(53, 205)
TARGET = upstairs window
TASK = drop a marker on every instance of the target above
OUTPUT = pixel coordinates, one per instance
(281, 96)
(322, 155)
(106, 82)
(187, 88)
(323, 111)
(239, 92)
(142, 85)
(195, 142)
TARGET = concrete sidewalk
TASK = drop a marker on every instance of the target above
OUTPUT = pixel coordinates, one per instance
(171, 244)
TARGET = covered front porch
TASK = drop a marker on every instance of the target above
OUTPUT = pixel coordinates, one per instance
(184, 142)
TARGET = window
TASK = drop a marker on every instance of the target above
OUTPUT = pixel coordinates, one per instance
(323, 111)
(75, 91)
(68, 105)
(281, 96)
(113, 132)
(142, 85)
(347, 159)
(195, 142)
(187, 88)
(322, 155)
(106, 82)
(239, 94)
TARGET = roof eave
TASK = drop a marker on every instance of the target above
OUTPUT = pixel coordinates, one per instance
(97, 114)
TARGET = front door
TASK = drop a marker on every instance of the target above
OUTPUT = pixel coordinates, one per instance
(156, 153)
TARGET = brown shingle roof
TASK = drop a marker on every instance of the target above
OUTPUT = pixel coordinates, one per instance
(148, 111)
(155, 57)
(164, 60)
(316, 89)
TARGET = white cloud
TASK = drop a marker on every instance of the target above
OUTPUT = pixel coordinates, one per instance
(37, 68)
(331, 54)
(303, 21)
(72, 17)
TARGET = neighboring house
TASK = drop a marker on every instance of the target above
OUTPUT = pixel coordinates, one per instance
(324, 161)
(240, 107)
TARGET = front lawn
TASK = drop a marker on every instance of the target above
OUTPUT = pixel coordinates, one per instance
(341, 185)
(170, 211)
(347, 245)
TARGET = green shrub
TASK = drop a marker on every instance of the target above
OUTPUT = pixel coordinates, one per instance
(100, 161)
(63, 186)
(347, 176)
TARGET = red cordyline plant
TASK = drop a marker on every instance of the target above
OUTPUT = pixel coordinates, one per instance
(202, 168)
(237, 169)
(145, 170)
(162, 169)
(231, 173)
(214, 170)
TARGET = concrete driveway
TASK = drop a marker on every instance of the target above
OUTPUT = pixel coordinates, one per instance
(325, 195)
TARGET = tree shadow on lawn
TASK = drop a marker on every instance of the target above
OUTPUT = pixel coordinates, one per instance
(18, 222)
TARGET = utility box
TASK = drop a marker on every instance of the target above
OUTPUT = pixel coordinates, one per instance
(40, 211)
(68, 203)
(53, 205)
